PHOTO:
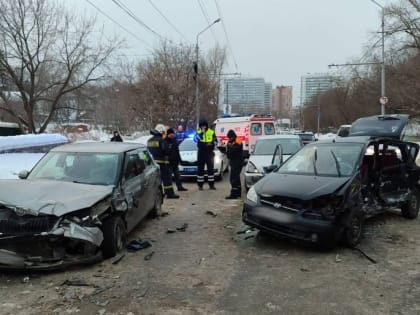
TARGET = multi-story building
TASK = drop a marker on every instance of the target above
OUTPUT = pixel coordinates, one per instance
(282, 101)
(247, 96)
(313, 84)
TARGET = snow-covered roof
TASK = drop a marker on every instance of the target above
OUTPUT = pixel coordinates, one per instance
(32, 140)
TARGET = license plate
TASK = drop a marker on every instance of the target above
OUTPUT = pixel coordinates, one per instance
(190, 170)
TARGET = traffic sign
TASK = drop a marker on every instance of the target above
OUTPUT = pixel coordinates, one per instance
(383, 100)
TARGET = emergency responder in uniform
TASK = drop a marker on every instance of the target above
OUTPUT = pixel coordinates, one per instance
(160, 151)
(206, 141)
(234, 153)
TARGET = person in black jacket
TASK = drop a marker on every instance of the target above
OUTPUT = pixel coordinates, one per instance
(116, 137)
(174, 158)
(234, 152)
(160, 151)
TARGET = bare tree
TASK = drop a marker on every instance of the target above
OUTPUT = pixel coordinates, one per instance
(45, 54)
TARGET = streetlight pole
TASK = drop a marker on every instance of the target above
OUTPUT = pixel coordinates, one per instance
(383, 96)
(197, 104)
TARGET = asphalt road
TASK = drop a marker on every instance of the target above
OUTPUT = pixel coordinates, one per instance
(213, 268)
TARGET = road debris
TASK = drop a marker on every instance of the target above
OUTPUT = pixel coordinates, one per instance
(337, 258)
(304, 269)
(247, 229)
(149, 256)
(365, 255)
(170, 230)
(209, 212)
(118, 259)
(75, 282)
(25, 280)
(182, 228)
(136, 245)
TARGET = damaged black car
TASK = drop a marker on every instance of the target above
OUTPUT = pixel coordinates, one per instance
(77, 205)
(324, 193)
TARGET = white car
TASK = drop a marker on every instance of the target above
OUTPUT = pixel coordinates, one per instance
(263, 153)
(188, 166)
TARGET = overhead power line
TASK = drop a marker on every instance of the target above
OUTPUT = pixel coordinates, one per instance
(206, 16)
(125, 29)
(167, 20)
(226, 35)
(123, 7)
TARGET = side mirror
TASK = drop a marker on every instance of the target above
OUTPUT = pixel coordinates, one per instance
(270, 168)
(23, 174)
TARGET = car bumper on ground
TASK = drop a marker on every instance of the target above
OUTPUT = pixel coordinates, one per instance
(252, 178)
(289, 224)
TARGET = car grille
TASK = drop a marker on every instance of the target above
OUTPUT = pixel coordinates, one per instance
(287, 203)
(12, 224)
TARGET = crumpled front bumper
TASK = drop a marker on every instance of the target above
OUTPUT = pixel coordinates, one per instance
(63, 246)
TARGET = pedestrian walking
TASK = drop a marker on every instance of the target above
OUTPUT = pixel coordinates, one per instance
(174, 158)
(116, 137)
(206, 141)
(180, 134)
(160, 151)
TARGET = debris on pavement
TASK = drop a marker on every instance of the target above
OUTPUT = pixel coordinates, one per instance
(75, 282)
(136, 245)
(247, 229)
(25, 280)
(149, 256)
(182, 228)
(118, 259)
(170, 230)
(365, 255)
(209, 212)
(249, 236)
(304, 269)
(337, 258)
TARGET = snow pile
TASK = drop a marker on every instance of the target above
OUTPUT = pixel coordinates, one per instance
(10, 143)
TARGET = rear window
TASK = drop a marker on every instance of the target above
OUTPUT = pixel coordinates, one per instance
(256, 129)
(269, 129)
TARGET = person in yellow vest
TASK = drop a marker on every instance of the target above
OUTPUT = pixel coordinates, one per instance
(206, 141)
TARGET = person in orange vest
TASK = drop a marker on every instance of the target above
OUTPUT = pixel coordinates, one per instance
(234, 152)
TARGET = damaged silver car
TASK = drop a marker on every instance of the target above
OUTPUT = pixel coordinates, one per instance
(77, 205)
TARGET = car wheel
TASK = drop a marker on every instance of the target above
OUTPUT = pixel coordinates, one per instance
(157, 207)
(353, 231)
(114, 232)
(411, 209)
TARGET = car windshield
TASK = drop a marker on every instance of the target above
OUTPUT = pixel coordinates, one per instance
(188, 145)
(326, 159)
(267, 146)
(78, 167)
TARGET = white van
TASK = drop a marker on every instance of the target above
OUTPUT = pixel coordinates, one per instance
(247, 128)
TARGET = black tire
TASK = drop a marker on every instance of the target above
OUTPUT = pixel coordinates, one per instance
(411, 209)
(157, 207)
(114, 231)
(354, 228)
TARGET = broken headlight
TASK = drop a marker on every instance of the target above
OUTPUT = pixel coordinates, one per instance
(252, 195)
(327, 205)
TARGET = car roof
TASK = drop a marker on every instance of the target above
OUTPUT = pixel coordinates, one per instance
(283, 136)
(380, 125)
(102, 147)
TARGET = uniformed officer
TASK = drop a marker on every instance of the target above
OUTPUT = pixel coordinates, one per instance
(206, 141)
(160, 152)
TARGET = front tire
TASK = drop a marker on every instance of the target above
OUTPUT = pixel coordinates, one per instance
(354, 228)
(114, 232)
(410, 210)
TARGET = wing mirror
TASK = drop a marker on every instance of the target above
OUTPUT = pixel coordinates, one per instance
(23, 174)
(276, 161)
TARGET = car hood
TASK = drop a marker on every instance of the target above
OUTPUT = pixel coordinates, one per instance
(298, 186)
(260, 161)
(50, 196)
(189, 156)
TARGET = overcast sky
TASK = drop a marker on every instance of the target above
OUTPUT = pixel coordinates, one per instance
(279, 40)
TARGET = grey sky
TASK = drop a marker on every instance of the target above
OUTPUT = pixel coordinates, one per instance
(279, 40)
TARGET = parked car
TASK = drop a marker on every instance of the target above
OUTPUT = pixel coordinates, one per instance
(343, 131)
(325, 191)
(307, 137)
(188, 166)
(76, 205)
(262, 154)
